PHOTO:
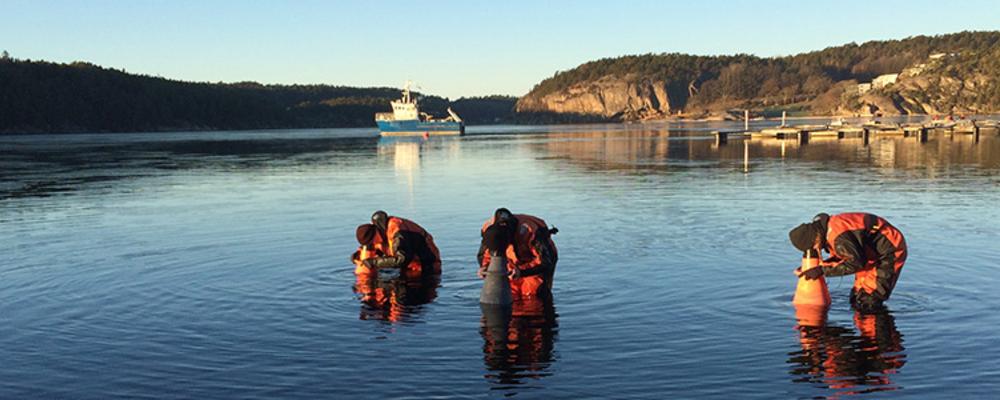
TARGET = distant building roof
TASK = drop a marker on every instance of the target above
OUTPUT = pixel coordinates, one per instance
(884, 80)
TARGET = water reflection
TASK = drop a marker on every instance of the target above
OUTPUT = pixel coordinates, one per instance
(645, 150)
(49, 165)
(849, 361)
(518, 342)
(390, 297)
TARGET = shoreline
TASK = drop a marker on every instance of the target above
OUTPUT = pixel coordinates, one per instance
(637, 122)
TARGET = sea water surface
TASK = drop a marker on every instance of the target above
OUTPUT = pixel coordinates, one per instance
(214, 265)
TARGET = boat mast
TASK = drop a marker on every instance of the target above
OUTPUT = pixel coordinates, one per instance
(406, 91)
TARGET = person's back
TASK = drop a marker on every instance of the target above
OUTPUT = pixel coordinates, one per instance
(403, 233)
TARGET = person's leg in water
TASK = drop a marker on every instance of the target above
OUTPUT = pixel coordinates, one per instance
(866, 303)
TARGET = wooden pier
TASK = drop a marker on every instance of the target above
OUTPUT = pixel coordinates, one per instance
(922, 132)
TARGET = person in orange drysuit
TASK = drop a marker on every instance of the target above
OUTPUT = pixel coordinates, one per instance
(398, 243)
(862, 244)
(530, 251)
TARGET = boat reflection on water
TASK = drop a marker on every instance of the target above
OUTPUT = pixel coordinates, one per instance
(848, 361)
(387, 296)
(518, 342)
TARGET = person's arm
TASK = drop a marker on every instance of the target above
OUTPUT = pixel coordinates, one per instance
(543, 260)
(401, 258)
(481, 256)
(852, 257)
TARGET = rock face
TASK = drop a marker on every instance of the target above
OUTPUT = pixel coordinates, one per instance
(610, 97)
(936, 92)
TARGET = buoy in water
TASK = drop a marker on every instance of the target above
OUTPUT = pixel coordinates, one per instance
(496, 285)
(811, 292)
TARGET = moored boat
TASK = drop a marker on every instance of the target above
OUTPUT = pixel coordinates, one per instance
(407, 120)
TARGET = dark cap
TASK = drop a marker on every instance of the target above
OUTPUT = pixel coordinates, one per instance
(380, 219)
(365, 234)
(503, 215)
(822, 218)
(803, 237)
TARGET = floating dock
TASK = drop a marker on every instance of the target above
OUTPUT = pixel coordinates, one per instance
(802, 133)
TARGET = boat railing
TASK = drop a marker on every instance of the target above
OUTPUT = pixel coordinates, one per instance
(384, 116)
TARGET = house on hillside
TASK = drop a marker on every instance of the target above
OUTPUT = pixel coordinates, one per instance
(882, 81)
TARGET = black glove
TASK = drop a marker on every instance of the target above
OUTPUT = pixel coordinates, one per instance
(813, 273)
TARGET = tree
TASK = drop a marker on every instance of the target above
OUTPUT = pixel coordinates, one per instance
(5, 55)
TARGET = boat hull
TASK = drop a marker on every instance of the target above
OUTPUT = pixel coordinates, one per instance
(420, 128)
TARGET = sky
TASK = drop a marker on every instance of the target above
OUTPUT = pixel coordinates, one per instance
(448, 48)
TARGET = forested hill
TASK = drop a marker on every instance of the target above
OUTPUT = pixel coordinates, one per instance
(37, 96)
(819, 82)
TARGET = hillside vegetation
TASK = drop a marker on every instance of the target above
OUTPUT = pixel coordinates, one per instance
(38, 96)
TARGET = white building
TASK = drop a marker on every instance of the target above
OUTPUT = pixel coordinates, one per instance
(884, 80)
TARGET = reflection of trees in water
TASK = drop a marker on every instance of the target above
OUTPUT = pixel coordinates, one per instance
(394, 298)
(850, 362)
(518, 342)
(48, 168)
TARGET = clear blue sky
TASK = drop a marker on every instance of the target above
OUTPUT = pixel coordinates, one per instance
(450, 48)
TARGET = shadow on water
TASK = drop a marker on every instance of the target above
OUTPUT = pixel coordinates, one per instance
(518, 343)
(849, 361)
(393, 298)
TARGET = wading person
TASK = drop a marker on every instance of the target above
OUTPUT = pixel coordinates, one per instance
(862, 244)
(527, 243)
(394, 242)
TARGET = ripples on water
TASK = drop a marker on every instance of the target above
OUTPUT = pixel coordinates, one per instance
(214, 265)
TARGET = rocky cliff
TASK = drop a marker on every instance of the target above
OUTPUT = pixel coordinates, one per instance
(957, 84)
(610, 97)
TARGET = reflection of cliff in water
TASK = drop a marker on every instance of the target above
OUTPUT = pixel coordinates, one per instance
(642, 151)
(518, 342)
(850, 362)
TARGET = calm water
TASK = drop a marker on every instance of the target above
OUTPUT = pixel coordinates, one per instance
(215, 265)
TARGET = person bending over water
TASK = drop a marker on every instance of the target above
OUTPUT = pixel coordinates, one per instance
(530, 251)
(862, 244)
(394, 242)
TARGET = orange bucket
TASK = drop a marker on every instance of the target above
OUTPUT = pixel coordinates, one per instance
(811, 292)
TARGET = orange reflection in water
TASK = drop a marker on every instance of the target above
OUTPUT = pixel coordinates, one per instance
(393, 298)
(518, 341)
(848, 361)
